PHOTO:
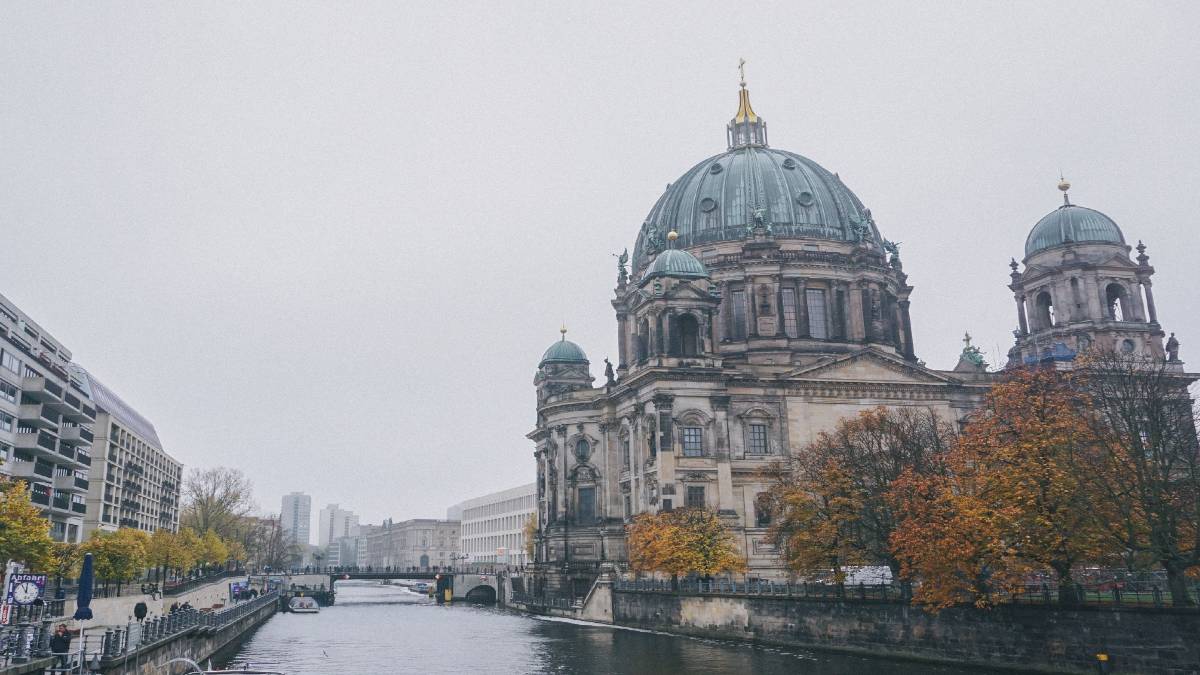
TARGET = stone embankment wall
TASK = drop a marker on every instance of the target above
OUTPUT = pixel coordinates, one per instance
(119, 611)
(1020, 637)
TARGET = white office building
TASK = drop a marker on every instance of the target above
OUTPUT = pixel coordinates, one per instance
(334, 522)
(493, 526)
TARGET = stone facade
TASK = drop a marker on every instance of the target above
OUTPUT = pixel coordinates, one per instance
(421, 543)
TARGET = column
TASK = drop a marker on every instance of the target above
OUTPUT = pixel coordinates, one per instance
(1150, 300)
(623, 340)
(652, 338)
(906, 327)
(1135, 302)
(802, 307)
(751, 308)
(1021, 322)
(855, 328)
(721, 451)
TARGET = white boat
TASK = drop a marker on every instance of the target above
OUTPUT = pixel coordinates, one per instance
(303, 605)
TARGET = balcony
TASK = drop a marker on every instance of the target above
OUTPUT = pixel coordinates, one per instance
(67, 451)
(83, 457)
(128, 522)
(40, 442)
(21, 468)
(41, 390)
(38, 415)
(75, 435)
(40, 494)
(61, 503)
(70, 483)
(134, 467)
(131, 504)
(79, 507)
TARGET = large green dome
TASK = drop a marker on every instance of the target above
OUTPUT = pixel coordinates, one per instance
(1069, 224)
(563, 351)
(719, 198)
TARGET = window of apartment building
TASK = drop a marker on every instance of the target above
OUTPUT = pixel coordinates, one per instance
(6, 451)
(758, 440)
(693, 442)
(817, 326)
(6, 421)
(788, 303)
(8, 391)
(10, 361)
(695, 497)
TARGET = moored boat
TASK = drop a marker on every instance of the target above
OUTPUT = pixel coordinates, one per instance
(303, 605)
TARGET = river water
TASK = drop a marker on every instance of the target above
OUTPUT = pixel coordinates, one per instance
(380, 629)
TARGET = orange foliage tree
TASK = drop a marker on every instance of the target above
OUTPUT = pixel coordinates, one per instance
(1012, 500)
(681, 542)
(831, 504)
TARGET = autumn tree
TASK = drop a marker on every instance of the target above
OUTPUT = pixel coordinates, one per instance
(681, 542)
(212, 550)
(64, 561)
(830, 503)
(530, 530)
(216, 500)
(24, 531)
(1011, 500)
(1149, 471)
(118, 556)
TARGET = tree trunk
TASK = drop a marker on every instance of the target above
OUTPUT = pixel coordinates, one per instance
(1068, 592)
(1177, 584)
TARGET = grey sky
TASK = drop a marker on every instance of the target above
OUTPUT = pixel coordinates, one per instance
(327, 243)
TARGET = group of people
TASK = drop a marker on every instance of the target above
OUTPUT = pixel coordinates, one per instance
(175, 607)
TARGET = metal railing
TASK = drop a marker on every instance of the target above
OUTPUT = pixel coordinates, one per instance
(547, 601)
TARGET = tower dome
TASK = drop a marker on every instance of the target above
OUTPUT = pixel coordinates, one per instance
(675, 263)
(1070, 223)
(724, 196)
(563, 351)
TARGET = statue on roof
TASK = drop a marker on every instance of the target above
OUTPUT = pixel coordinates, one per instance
(622, 272)
(1172, 348)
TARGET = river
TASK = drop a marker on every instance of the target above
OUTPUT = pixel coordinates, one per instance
(385, 629)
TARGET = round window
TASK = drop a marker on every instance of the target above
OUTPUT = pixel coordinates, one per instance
(715, 168)
(708, 204)
(789, 163)
(805, 198)
(1127, 346)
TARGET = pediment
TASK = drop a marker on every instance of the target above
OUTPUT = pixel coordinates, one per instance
(1119, 260)
(868, 365)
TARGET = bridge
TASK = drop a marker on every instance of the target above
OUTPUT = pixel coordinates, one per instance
(471, 587)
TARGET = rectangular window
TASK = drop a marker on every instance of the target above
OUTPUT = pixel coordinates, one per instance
(666, 505)
(762, 510)
(628, 506)
(758, 440)
(695, 497)
(8, 391)
(587, 505)
(6, 421)
(788, 303)
(693, 442)
(9, 361)
(737, 318)
(817, 326)
(625, 452)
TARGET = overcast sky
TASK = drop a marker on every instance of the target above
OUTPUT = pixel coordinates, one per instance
(328, 243)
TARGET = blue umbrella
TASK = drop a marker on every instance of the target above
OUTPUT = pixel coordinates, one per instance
(83, 601)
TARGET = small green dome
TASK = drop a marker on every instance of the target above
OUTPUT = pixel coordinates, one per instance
(1070, 224)
(563, 351)
(674, 262)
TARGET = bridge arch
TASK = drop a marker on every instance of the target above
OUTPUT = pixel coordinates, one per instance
(482, 594)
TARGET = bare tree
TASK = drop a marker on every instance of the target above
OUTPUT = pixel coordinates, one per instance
(1151, 471)
(216, 500)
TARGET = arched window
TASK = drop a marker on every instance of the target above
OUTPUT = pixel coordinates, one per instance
(1044, 310)
(685, 336)
(582, 450)
(1117, 300)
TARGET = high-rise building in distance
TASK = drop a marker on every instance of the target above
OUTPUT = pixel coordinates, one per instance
(334, 523)
(294, 517)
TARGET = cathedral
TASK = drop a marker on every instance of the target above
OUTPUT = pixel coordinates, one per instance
(761, 305)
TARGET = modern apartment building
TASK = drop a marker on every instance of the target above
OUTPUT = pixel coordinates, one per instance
(295, 515)
(334, 522)
(422, 543)
(46, 420)
(493, 526)
(134, 482)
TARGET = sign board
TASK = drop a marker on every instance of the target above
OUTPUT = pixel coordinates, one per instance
(25, 589)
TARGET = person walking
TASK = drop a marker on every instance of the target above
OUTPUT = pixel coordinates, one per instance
(60, 646)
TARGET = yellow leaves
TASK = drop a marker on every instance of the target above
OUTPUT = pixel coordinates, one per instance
(24, 532)
(682, 542)
(120, 555)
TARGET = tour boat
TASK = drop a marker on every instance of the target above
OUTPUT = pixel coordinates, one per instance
(303, 605)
